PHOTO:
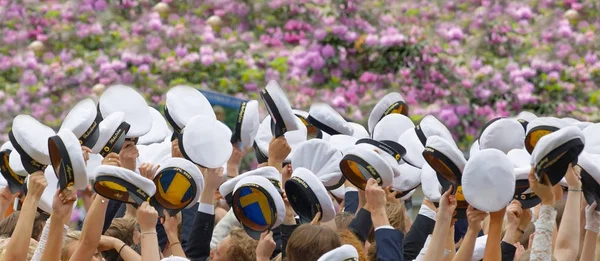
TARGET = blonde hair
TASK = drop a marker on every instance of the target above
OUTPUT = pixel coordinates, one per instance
(243, 247)
(73, 236)
(30, 251)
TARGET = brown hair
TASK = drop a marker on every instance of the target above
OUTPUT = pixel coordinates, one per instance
(122, 229)
(372, 252)
(8, 225)
(348, 237)
(343, 219)
(309, 242)
(243, 247)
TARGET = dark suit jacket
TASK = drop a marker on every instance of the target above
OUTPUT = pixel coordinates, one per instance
(198, 248)
(508, 251)
(361, 224)
(417, 235)
(389, 244)
(351, 201)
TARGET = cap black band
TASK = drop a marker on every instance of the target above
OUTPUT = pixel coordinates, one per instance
(392, 108)
(524, 123)
(421, 135)
(183, 153)
(555, 163)
(29, 163)
(176, 128)
(303, 199)
(157, 202)
(90, 136)
(15, 182)
(278, 128)
(429, 153)
(322, 126)
(115, 143)
(528, 137)
(350, 175)
(390, 147)
(590, 187)
(239, 214)
(237, 132)
(61, 162)
(404, 193)
(137, 194)
(528, 200)
(260, 156)
(229, 197)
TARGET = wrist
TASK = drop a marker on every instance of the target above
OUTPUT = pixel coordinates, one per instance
(575, 187)
(117, 243)
(549, 202)
(275, 163)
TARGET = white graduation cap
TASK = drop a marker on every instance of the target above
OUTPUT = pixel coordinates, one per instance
(540, 127)
(479, 249)
(391, 127)
(279, 109)
(113, 130)
(159, 130)
(342, 142)
(182, 103)
(247, 123)
(174, 258)
(312, 131)
(519, 158)
(206, 142)
(364, 161)
(523, 192)
(489, 166)
(342, 253)
(308, 196)
(430, 184)
(155, 153)
(123, 185)
(264, 137)
(258, 205)
(389, 104)
(67, 160)
(270, 173)
(448, 162)
(129, 101)
(415, 139)
(14, 180)
(29, 138)
(359, 131)
(84, 120)
(93, 162)
(502, 134)
(555, 151)
(179, 183)
(328, 120)
(322, 159)
(474, 148)
(592, 139)
(408, 181)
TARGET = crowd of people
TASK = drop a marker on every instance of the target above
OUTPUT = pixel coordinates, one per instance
(166, 185)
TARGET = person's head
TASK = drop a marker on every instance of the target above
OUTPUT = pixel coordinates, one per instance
(372, 252)
(348, 237)
(397, 216)
(343, 219)
(7, 226)
(219, 112)
(30, 251)
(237, 246)
(70, 245)
(124, 229)
(309, 242)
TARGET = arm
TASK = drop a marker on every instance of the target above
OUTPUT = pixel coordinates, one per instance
(541, 247)
(125, 252)
(170, 223)
(475, 217)
(199, 242)
(592, 227)
(6, 200)
(450, 245)
(91, 232)
(351, 200)
(420, 229)
(147, 217)
(233, 164)
(442, 225)
(567, 240)
(19, 242)
(492, 245)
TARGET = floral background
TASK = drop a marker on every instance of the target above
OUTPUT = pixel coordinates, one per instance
(464, 61)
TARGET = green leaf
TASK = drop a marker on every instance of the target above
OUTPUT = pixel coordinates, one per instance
(52, 14)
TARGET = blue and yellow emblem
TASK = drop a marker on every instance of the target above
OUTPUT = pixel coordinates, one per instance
(175, 188)
(254, 208)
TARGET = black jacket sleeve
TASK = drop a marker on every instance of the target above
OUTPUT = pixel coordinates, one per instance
(389, 244)
(417, 235)
(111, 211)
(351, 201)
(508, 251)
(286, 231)
(199, 241)
(361, 224)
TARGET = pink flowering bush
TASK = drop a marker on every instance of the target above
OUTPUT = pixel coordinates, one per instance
(464, 61)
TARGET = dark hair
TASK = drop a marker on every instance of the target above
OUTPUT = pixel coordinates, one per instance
(309, 242)
(122, 229)
(8, 225)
